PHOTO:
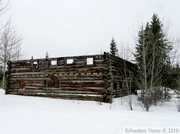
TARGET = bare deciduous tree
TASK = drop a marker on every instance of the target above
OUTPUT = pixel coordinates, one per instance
(10, 42)
(10, 47)
(126, 74)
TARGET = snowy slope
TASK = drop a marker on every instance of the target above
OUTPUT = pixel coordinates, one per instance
(34, 115)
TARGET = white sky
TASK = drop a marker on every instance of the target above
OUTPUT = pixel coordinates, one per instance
(77, 27)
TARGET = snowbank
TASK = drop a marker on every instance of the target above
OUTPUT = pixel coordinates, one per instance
(34, 115)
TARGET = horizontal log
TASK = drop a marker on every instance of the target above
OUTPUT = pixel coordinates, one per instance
(34, 87)
(84, 88)
(65, 72)
(84, 68)
(82, 62)
(28, 87)
(82, 81)
(53, 89)
(59, 91)
(27, 76)
(26, 82)
(82, 84)
(64, 96)
(20, 69)
(99, 61)
(62, 77)
(79, 75)
(28, 73)
(76, 72)
(49, 94)
(35, 84)
(56, 67)
(29, 79)
(20, 65)
(81, 78)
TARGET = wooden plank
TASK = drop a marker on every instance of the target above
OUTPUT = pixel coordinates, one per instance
(96, 77)
(63, 96)
(82, 84)
(72, 68)
(35, 84)
(80, 75)
(82, 80)
(33, 87)
(83, 88)
(99, 61)
(52, 89)
(28, 73)
(29, 79)
(22, 68)
(58, 91)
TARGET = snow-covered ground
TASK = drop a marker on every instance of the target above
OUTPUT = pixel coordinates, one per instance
(35, 115)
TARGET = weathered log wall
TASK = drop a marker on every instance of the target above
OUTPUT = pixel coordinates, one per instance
(79, 77)
(93, 77)
(122, 74)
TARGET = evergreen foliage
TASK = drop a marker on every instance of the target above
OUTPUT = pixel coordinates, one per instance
(174, 78)
(1, 76)
(153, 61)
(113, 48)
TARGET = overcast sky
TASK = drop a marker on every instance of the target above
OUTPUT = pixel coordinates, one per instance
(78, 27)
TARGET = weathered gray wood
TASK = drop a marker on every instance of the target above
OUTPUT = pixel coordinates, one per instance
(82, 84)
(29, 79)
(28, 73)
(63, 96)
(55, 77)
(58, 91)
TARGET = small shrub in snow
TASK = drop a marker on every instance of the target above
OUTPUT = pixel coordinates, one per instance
(167, 93)
(178, 104)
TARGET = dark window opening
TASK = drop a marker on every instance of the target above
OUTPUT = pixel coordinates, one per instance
(51, 83)
(35, 64)
(114, 85)
(120, 85)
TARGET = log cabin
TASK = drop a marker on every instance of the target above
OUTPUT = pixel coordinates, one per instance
(98, 77)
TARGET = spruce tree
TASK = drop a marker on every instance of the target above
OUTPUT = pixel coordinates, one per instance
(152, 58)
(175, 77)
(178, 77)
(113, 48)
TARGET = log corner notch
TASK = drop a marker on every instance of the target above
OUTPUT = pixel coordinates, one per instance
(87, 77)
